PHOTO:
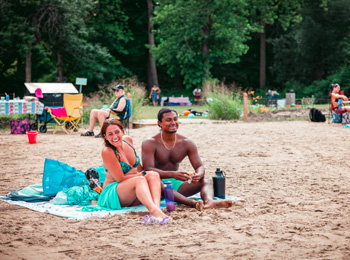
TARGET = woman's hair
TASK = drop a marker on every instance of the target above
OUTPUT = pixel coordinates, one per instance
(332, 86)
(106, 124)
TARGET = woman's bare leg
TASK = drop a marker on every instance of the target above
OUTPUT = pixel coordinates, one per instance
(137, 188)
(154, 183)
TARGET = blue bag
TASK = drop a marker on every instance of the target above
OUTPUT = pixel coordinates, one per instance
(58, 175)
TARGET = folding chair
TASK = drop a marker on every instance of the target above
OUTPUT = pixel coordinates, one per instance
(127, 115)
(68, 122)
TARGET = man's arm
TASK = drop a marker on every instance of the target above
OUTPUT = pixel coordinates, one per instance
(148, 149)
(196, 162)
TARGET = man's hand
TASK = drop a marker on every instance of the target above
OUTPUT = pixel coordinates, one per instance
(197, 177)
(181, 176)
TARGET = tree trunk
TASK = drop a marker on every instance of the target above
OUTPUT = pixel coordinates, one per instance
(151, 68)
(205, 49)
(29, 67)
(263, 56)
(59, 67)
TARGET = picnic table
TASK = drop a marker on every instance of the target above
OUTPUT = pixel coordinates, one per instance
(21, 106)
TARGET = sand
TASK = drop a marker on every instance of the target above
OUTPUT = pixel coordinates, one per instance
(293, 175)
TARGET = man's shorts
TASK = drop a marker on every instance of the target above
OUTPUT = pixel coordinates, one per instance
(175, 183)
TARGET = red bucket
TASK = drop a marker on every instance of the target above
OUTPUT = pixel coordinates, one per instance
(32, 136)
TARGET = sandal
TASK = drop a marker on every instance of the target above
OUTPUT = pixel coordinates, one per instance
(98, 136)
(149, 219)
(165, 220)
(88, 133)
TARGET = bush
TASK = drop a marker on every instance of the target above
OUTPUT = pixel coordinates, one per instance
(223, 103)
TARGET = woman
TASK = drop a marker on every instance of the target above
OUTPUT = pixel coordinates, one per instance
(155, 91)
(126, 184)
(335, 97)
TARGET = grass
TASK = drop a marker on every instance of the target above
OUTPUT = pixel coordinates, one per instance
(147, 112)
(151, 112)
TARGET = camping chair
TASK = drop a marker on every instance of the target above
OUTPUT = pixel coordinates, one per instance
(127, 115)
(73, 108)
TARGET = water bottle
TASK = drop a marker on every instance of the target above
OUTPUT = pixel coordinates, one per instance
(219, 184)
(169, 196)
(339, 102)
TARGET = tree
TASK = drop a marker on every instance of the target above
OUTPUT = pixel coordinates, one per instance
(317, 47)
(152, 68)
(193, 34)
(268, 12)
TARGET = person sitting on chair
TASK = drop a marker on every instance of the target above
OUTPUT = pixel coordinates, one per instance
(335, 97)
(117, 108)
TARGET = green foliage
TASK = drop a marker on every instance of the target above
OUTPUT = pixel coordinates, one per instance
(317, 47)
(194, 34)
(223, 103)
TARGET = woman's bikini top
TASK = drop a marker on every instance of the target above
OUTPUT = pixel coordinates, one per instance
(126, 167)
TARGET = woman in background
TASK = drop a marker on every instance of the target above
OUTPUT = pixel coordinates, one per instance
(155, 91)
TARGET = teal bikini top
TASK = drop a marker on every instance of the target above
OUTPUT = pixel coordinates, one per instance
(126, 167)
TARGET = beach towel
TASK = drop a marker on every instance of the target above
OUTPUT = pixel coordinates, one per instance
(58, 111)
(75, 211)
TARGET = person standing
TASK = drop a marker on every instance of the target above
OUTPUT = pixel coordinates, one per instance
(154, 95)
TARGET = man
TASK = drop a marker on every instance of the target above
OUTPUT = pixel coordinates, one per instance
(164, 152)
(117, 108)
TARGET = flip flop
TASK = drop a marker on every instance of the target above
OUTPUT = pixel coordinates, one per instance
(147, 219)
(162, 221)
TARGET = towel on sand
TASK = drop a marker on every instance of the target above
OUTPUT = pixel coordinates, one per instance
(26, 198)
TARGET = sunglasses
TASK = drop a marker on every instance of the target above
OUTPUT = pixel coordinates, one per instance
(117, 90)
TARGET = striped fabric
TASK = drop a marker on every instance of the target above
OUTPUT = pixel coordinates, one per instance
(21, 107)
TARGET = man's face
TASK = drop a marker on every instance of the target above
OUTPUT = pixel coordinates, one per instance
(170, 122)
(118, 92)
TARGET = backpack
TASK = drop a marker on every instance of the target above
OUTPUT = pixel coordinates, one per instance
(316, 115)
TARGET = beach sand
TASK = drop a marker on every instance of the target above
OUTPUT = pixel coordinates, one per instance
(293, 176)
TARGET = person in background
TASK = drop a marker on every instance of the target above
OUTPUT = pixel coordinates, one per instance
(335, 96)
(117, 108)
(126, 184)
(197, 93)
(154, 95)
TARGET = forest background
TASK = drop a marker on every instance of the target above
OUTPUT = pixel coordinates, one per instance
(253, 44)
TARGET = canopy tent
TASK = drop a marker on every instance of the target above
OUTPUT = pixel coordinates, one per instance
(50, 88)
(52, 92)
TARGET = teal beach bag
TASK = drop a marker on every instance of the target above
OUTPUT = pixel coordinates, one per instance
(58, 175)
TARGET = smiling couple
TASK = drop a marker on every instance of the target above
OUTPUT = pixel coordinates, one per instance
(128, 183)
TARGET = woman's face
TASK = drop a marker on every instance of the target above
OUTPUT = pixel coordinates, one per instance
(337, 89)
(114, 135)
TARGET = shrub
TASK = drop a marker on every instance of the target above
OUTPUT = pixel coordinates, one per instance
(223, 103)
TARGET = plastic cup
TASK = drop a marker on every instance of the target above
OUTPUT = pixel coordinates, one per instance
(32, 136)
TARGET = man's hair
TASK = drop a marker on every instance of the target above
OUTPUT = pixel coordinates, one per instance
(163, 111)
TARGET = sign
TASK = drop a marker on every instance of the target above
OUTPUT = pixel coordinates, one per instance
(81, 81)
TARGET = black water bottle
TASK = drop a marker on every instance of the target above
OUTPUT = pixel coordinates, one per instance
(219, 184)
